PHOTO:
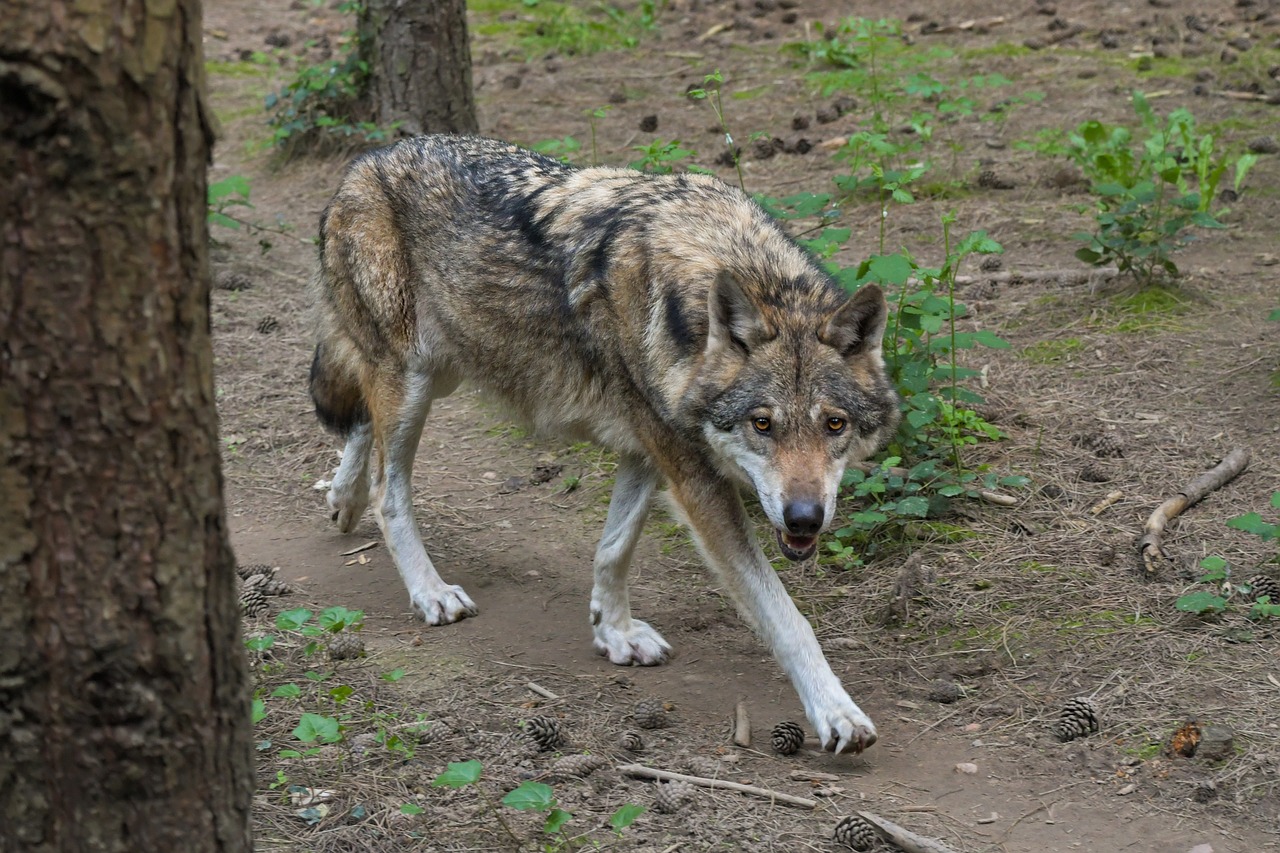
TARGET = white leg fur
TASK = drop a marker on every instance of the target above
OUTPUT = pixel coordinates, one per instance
(723, 535)
(436, 601)
(617, 636)
(349, 494)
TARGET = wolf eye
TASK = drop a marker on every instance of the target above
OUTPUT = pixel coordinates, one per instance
(836, 425)
(762, 425)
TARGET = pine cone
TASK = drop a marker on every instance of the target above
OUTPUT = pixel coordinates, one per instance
(1263, 585)
(1095, 472)
(345, 646)
(267, 583)
(651, 714)
(268, 324)
(701, 765)
(576, 765)
(246, 572)
(991, 263)
(673, 796)
(1079, 718)
(489, 744)
(855, 832)
(252, 601)
(945, 692)
(1106, 445)
(787, 738)
(989, 180)
(544, 732)
(233, 281)
(631, 741)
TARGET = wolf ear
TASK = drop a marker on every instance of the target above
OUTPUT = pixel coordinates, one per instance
(857, 327)
(735, 319)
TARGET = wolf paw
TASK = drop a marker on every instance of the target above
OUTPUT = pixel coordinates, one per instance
(445, 604)
(842, 727)
(347, 509)
(639, 646)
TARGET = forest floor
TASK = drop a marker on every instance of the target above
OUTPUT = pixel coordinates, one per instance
(1021, 607)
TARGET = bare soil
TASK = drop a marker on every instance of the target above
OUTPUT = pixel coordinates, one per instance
(1022, 607)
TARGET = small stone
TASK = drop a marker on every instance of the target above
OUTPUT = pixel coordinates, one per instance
(1217, 743)
(967, 768)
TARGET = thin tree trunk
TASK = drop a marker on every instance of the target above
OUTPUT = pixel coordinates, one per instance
(124, 714)
(419, 66)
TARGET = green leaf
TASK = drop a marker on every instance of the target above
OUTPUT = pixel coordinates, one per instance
(555, 820)
(260, 644)
(292, 620)
(314, 727)
(916, 507)
(287, 691)
(1201, 602)
(1252, 523)
(459, 774)
(394, 675)
(625, 816)
(411, 809)
(530, 796)
(259, 710)
(340, 618)
(988, 338)
(890, 269)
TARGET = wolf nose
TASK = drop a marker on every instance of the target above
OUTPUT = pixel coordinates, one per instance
(803, 518)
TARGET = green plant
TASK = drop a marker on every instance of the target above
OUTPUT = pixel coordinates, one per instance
(532, 796)
(574, 29)
(659, 155)
(1151, 187)
(1217, 574)
(711, 94)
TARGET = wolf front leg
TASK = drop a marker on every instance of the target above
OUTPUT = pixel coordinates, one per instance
(398, 407)
(349, 492)
(617, 636)
(723, 533)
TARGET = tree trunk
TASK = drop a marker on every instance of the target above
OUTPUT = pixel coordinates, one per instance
(419, 66)
(124, 711)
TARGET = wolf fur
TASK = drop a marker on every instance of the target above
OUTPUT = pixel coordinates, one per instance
(666, 317)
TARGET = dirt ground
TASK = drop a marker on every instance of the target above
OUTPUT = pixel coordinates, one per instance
(1022, 607)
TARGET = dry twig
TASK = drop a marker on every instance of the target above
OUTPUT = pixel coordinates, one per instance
(741, 725)
(643, 772)
(1151, 545)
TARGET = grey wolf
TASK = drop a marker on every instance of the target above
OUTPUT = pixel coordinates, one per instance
(666, 317)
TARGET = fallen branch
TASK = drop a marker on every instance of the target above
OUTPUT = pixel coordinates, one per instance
(741, 725)
(639, 770)
(1071, 276)
(991, 497)
(356, 550)
(904, 838)
(1151, 545)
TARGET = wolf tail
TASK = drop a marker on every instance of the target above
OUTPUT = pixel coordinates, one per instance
(336, 387)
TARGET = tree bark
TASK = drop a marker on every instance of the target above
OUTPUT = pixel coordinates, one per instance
(419, 66)
(124, 711)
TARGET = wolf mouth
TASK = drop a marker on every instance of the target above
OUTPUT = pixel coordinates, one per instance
(796, 548)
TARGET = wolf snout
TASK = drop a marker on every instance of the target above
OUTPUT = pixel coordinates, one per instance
(803, 518)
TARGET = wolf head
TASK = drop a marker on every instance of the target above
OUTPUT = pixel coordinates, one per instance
(800, 390)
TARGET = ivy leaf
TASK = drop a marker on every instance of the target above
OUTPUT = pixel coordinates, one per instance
(459, 774)
(313, 727)
(530, 796)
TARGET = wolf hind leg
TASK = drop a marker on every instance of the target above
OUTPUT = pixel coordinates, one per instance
(399, 407)
(349, 493)
(617, 636)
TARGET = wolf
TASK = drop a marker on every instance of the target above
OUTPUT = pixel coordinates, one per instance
(667, 317)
